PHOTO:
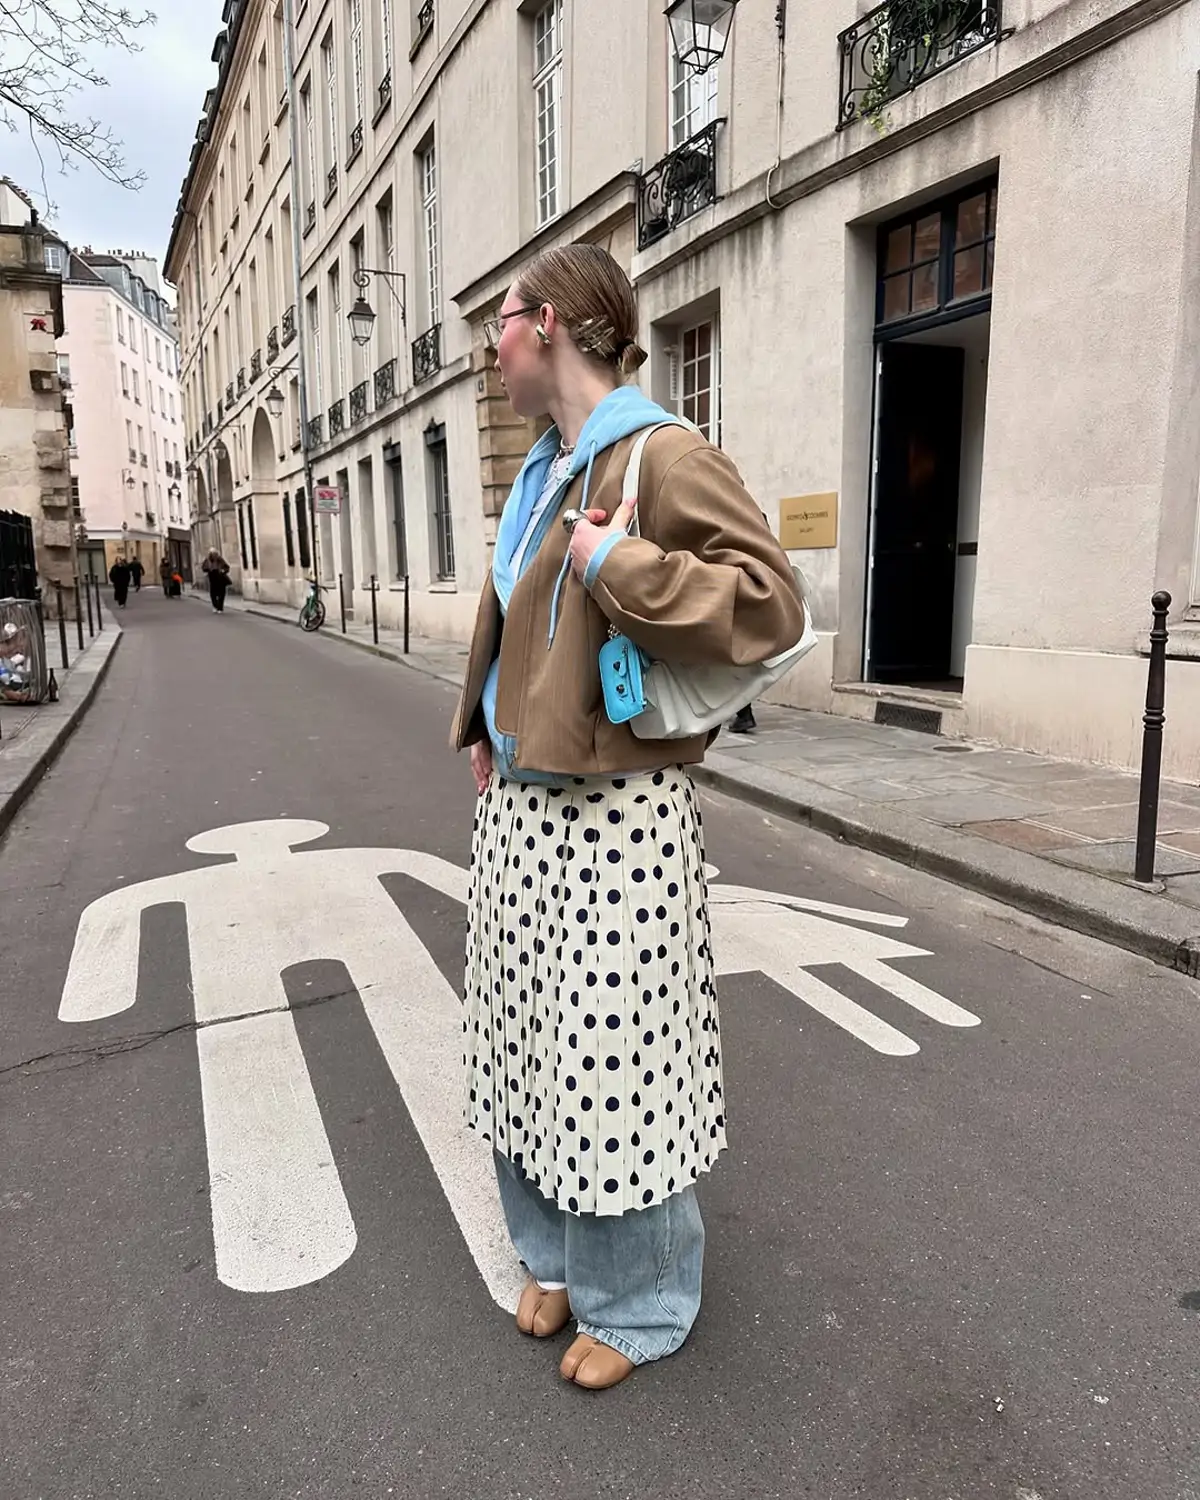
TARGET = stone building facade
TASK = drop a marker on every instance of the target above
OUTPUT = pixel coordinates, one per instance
(928, 275)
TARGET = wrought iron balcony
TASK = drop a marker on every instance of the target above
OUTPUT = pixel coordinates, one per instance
(315, 436)
(385, 90)
(229, 395)
(220, 408)
(241, 384)
(331, 182)
(678, 186)
(899, 44)
(358, 402)
(385, 383)
(272, 346)
(424, 23)
(337, 418)
(427, 354)
(356, 140)
(310, 216)
(288, 324)
(256, 364)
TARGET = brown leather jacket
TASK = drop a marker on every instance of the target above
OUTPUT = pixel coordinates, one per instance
(705, 582)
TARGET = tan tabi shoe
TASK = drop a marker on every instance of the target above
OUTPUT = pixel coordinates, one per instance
(542, 1313)
(594, 1365)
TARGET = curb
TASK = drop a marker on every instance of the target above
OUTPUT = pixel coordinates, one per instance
(384, 652)
(39, 746)
(1136, 920)
(1128, 918)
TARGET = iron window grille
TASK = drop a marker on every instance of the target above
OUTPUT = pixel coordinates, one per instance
(358, 402)
(272, 346)
(385, 383)
(427, 354)
(898, 45)
(678, 186)
(315, 436)
(337, 418)
(288, 324)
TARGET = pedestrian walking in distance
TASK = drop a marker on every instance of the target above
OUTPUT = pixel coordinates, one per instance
(217, 570)
(118, 576)
(135, 572)
(164, 574)
(592, 1048)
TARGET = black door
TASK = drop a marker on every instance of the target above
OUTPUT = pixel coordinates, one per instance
(916, 513)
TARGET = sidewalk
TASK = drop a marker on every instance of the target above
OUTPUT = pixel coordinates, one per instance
(1052, 837)
(32, 735)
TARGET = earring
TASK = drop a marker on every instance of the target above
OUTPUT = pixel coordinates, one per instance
(542, 334)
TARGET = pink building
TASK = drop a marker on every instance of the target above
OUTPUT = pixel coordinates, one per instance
(119, 360)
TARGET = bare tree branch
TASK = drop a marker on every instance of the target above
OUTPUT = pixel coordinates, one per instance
(44, 61)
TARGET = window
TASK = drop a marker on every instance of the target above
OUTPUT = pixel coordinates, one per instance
(150, 394)
(137, 388)
(129, 439)
(547, 93)
(385, 25)
(142, 441)
(693, 100)
(699, 379)
(133, 335)
(166, 454)
(429, 222)
(335, 332)
(158, 352)
(56, 259)
(146, 511)
(314, 323)
(124, 378)
(162, 400)
(310, 143)
(938, 257)
(439, 480)
(329, 58)
(385, 224)
(171, 402)
(64, 370)
(356, 60)
(120, 326)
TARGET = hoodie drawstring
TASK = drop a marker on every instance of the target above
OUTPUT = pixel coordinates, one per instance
(566, 567)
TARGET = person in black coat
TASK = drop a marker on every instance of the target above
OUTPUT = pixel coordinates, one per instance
(136, 570)
(119, 576)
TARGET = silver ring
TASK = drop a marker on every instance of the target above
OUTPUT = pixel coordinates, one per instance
(571, 518)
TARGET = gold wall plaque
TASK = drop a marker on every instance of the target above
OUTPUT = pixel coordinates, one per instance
(807, 522)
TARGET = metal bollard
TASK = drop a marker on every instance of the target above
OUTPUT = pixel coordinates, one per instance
(375, 608)
(1152, 736)
(342, 601)
(99, 606)
(62, 625)
(78, 616)
(87, 594)
(406, 614)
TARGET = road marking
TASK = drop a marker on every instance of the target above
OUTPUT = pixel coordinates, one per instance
(279, 1213)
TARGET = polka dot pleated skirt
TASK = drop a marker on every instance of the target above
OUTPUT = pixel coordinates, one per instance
(591, 1039)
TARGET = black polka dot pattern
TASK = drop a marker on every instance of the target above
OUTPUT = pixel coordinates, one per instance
(590, 1032)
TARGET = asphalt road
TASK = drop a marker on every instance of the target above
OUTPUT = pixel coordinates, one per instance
(967, 1271)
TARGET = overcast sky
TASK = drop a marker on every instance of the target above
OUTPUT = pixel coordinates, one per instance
(152, 104)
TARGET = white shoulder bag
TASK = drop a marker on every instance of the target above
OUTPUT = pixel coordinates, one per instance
(682, 701)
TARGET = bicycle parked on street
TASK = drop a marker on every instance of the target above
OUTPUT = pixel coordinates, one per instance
(312, 611)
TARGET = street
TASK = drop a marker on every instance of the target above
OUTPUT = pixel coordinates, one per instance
(248, 1251)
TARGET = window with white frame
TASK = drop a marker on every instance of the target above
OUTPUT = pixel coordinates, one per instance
(547, 96)
(137, 388)
(427, 163)
(129, 440)
(56, 258)
(356, 59)
(693, 100)
(696, 377)
(310, 142)
(335, 331)
(314, 323)
(331, 99)
(120, 325)
(385, 38)
(387, 259)
(150, 394)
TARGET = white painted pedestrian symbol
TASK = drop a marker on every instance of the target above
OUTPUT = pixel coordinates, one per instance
(280, 1216)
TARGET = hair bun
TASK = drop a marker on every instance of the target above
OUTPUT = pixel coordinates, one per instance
(631, 357)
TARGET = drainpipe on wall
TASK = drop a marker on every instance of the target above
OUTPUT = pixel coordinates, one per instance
(289, 68)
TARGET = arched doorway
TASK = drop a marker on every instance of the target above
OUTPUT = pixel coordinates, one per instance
(272, 577)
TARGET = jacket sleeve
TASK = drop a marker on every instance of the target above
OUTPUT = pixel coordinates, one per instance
(714, 586)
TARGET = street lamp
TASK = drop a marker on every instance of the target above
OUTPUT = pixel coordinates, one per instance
(700, 31)
(273, 401)
(362, 315)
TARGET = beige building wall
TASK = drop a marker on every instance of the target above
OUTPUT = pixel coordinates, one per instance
(1081, 466)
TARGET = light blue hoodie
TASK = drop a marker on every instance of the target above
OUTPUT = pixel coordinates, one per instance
(624, 412)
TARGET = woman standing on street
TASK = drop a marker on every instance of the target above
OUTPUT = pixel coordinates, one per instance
(591, 1036)
(118, 576)
(218, 579)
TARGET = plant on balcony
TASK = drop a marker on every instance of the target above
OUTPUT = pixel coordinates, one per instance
(904, 43)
